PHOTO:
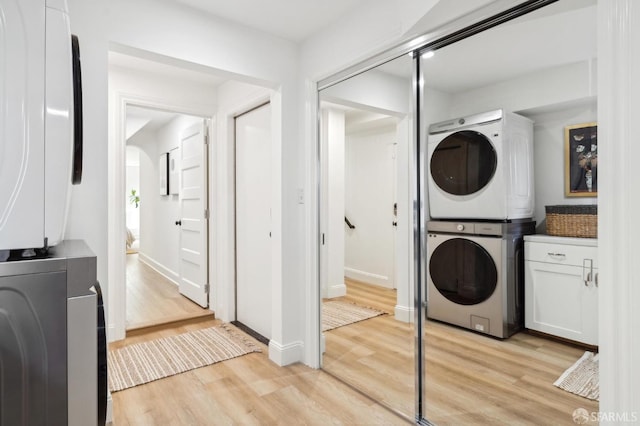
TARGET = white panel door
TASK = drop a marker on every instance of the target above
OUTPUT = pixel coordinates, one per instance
(193, 216)
(253, 220)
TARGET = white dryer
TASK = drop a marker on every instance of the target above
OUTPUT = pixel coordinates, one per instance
(481, 167)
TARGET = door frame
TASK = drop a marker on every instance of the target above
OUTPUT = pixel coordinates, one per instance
(224, 274)
(116, 224)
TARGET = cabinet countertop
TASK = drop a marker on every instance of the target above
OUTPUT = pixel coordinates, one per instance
(552, 239)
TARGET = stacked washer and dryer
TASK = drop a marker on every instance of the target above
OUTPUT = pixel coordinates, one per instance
(481, 204)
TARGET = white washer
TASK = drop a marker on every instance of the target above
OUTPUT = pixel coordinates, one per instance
(481, 167)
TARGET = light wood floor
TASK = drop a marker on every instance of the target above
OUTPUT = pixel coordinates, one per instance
(377, 355)
(248, 390)
(152, 299)
(471, 379)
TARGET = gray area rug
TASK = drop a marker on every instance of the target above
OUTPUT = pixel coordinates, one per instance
(582, 377)
(336, 313)
(145, 362)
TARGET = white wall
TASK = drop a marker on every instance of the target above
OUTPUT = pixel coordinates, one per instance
(370, 192)
(618, 249)
(548, 149)
(149, 88)
(558, 85)
(404, 309)
(332, 134)
(392, 94)
(145, 143)
(366, 31)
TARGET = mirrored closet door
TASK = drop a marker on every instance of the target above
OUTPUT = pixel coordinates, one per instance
(366, 133)
(408, 150)
(493, 118)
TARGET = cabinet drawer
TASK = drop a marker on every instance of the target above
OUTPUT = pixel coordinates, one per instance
(560, 254)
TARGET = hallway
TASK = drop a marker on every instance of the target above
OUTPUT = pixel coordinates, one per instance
(153, 300)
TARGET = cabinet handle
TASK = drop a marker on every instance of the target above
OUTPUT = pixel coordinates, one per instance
(559, 256)
(597, 273)
(587, 271)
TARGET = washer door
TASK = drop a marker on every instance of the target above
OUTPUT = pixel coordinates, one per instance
(463, 163)
(463, 271)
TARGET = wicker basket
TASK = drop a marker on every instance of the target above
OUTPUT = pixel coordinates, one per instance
(572, 221)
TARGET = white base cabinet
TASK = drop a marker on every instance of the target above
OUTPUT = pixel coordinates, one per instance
(561, 287)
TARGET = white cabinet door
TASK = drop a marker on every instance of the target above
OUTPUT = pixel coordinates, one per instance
(558, 301)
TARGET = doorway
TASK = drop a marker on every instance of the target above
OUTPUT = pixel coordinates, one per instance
(165, 188)
(178, 87)
(253, 209)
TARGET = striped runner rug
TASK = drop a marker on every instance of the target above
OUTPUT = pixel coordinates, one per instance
(336, 313)
(582, 377)
(148, 361)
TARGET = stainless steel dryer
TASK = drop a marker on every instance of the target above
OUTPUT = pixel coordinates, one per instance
(475, 274)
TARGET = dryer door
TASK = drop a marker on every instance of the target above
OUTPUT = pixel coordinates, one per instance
(463, 163)
(463, 271)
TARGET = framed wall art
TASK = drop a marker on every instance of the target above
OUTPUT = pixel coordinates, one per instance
(174, 174)
(163, 173)
(581, 160)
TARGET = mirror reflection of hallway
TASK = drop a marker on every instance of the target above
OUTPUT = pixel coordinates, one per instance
(366, 224)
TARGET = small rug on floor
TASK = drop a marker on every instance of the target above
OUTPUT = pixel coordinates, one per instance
(582, 377)
(336, 313)
(148, 361)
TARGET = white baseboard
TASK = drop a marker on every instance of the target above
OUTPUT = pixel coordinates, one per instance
(405, 313)
(286, 354)
(109, 409)
(337, 291)
(113, 335)
(368, 277)
(159, 268)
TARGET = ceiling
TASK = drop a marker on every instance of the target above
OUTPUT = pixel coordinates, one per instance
(293, 20)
